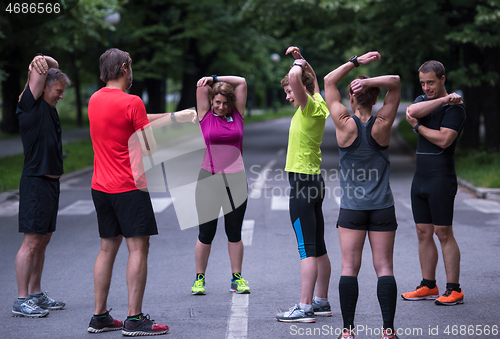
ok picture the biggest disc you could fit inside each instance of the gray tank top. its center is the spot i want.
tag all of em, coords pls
(364, 172)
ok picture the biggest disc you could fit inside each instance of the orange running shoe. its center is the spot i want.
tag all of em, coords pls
(422, 293)
(450, 298)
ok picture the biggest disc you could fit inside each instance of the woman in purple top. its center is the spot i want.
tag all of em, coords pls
(222, 181)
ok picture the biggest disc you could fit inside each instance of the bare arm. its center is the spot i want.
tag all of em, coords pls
(147, 140)
(295, 80)
(345, 125)
(306, 67)
(163, 119)
(423, 108)
(442, 138)
(381, 131)
(38, 73)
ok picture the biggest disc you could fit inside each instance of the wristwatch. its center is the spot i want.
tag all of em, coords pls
(415, 129)
(297, 64)
(354, 60)
(172, 117)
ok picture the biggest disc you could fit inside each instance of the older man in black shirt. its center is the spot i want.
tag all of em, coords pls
(40, 130)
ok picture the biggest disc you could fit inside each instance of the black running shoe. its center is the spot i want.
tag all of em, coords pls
(143, 327)
(104, 323)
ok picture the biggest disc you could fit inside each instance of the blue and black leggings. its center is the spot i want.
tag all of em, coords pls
(307, 192)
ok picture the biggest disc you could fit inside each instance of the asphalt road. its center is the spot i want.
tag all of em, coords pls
(271, 262)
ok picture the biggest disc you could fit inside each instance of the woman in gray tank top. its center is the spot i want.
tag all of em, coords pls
(367, 204)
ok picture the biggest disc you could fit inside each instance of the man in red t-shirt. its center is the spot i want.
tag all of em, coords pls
(121, 135)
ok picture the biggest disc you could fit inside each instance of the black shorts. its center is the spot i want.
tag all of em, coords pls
(38, 204)
(382, 220)
(129, 214)
(433, 199)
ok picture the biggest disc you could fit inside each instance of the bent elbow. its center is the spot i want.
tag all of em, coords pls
(411, 112)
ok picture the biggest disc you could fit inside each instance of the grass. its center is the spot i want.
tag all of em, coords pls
(480, 167)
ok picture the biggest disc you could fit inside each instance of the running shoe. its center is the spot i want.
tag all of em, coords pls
(239, 285)
(104, 323)
(143, 327)
(422, 293)
(321, 311)
(43, 300)
(346, 334)
(389, 334)
(28, 308)
(450, 298)
(198, 285)
(296, 315)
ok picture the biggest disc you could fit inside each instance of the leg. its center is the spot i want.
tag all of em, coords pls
(235, 250)
(201, 254)
(103, 269)
(382, 244)
(24, 261)
(324, 273)
(38, 261)
(451, 253)
(351, 246)
(427, 251)
(137, 271)
(308, 276)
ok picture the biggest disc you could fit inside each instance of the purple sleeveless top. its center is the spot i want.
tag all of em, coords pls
(223, 141)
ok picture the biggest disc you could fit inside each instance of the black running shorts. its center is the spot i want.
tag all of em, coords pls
(129, 214)
(38, 204)
(433, 199)
(382, 220)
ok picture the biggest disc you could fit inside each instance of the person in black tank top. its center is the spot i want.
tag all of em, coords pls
(368, 208)
(438, 118)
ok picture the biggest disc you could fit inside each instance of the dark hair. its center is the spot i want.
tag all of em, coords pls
(307, 80)
(433, 66)
(110, 64)
(225, 89)
(368, 96)
(54, 75)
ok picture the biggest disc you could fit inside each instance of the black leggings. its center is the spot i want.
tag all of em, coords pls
(228, 191)
(307, 192)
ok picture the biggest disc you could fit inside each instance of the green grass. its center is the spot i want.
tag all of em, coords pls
(480, 168)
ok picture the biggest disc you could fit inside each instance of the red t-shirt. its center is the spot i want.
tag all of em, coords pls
(114, 118)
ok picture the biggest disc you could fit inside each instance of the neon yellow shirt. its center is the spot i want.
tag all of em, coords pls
(305, 136)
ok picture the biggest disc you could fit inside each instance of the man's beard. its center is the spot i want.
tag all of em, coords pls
(129, 80)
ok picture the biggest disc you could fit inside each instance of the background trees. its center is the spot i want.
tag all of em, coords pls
(182, 40)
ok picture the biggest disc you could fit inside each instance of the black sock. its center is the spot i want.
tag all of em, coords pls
(348, 292)
(200, 276)
(101, 315)
(429, 283)
(454, 287)
(387, 295)
(236, 276)
(134, 317)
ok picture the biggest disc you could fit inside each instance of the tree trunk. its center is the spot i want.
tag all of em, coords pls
(156, 92)
(473, 98)
(76, 84)
(10, 96)
(491, 101)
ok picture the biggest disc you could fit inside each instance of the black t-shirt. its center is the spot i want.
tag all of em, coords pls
(432, 159)
(40, 131)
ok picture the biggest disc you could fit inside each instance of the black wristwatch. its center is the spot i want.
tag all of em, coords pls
(214, 78)
(354, 60)
(415, 129)
(39, 54)
(297, 64)
(172, 117)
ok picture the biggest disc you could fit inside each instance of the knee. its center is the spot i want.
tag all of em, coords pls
(444, 235)
(424, 234)
(45, 240)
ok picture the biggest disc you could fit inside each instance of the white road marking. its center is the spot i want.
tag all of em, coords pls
(482, 205)
(259, 183)
(79, 207)
(279, 203)
(237, 325)
(406, 204)
(9, 208)
(337, 200)
(247, 232)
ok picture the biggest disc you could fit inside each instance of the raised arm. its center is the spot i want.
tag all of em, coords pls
(423, 108)
(203, 88)
(381, 131)
(38, 73)
(443, 137)
(163, 119)
(306, 67)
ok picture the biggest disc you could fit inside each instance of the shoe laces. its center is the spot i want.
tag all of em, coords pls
(294, 308)
(346, 333)
(240, 281)
(448, 292)
(199, 282)
(30, 304)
